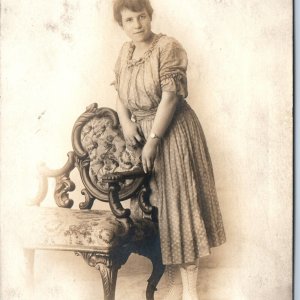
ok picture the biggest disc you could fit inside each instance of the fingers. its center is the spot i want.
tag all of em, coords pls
(134, 135)
(141, 134)
(147, 165)
(145, 168)
(133, 141)
(139, 138)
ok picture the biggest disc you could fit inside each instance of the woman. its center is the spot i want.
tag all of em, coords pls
(152, 87)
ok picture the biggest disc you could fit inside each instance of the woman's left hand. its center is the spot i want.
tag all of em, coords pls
(149, 154)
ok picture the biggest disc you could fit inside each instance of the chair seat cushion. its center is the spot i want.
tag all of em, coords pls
(80, 230)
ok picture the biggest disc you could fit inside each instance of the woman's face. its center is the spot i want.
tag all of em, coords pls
(137, 25)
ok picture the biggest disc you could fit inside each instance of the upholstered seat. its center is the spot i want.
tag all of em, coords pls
(111, 172)
(81, 230)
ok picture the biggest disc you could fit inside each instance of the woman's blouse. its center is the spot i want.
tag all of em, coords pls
(140, 82)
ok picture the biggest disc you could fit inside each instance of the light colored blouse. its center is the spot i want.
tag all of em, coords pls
(140, 82)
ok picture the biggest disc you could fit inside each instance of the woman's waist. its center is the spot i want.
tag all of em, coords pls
(149, 114)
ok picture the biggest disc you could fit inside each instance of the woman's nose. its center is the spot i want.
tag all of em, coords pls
(137, 23)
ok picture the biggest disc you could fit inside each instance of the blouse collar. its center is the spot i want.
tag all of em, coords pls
(133, 62)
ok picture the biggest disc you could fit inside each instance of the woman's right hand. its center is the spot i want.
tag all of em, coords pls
(133, 133)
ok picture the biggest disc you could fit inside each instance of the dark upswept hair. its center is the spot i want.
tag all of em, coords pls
(133, 5)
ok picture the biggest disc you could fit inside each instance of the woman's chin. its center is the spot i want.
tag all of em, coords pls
(138, 39)
(141, 38)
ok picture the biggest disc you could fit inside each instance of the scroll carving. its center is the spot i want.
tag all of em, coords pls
(89, 200)
(144, 198)
(108, 266)
(63, 183)
(94, 258)
(114, 202)
(61, 194)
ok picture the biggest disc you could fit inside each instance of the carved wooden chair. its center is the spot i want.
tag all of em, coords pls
(110, 172)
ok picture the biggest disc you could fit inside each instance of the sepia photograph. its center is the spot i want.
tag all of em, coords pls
(146, 150)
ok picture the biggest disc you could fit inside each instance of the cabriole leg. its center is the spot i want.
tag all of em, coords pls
(108, 266)
(151, 250)
(157, 273)
(109, 274)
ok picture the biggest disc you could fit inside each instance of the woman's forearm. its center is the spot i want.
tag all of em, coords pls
(123, 112)
(165, 113)
(132, 131)
(162, 120)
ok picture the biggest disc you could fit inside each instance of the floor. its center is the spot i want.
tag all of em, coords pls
(80, 282)
(62, 276)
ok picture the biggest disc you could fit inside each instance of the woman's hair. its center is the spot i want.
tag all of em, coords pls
(133, 5)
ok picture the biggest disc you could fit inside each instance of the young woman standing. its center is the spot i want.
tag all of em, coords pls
(152, 89)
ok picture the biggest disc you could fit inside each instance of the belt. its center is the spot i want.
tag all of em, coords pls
(138, 115)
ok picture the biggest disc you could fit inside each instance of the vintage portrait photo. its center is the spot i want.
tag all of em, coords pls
(147, 150)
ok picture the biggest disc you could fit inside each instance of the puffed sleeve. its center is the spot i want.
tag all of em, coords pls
(173, 66)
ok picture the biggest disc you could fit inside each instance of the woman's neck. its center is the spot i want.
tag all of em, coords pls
(144, 45)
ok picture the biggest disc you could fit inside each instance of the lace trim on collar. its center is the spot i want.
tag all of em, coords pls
(134, 62)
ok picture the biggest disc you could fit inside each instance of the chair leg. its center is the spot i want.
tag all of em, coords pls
(108, 266)
(157, 272)
(109, 278)
(152, 251)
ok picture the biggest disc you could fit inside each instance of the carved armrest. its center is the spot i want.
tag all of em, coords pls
(63, 185)
(122, 176)
(143, 194)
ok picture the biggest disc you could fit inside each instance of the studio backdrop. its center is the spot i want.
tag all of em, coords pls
(58, 57)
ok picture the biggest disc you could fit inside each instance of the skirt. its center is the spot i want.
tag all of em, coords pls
(183, 190)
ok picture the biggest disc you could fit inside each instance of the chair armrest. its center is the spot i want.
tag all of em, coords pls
(122, 176)
(63, 183)
(114, 180)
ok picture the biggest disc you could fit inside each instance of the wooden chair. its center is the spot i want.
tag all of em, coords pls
(110, 172)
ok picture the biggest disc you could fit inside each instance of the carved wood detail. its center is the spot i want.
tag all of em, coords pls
(89, 200)
(144, 198)
(114, 202)
(113, 190)
(108, 266)
(91, 112)
(83, 161)
(151, 250)
(63, 183)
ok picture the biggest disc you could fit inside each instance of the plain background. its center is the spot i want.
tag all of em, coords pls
(297, 150)
(58, 57)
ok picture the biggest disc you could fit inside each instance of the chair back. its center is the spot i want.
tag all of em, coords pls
(100, 149)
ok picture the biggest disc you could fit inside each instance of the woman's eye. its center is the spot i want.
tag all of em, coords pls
(142, 17)
(128, 20)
